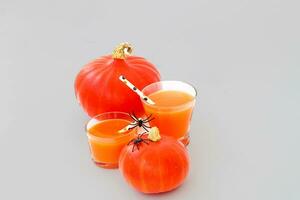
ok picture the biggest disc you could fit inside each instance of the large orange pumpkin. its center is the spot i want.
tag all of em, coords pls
(98, 88)
(154, 164)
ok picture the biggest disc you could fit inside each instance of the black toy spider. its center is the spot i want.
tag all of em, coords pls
(140, 122)
(138, 140)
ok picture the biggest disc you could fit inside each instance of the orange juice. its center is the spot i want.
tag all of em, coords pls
(106, 142)
(172, 110)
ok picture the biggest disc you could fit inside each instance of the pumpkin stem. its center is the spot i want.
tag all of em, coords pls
(122, 50)
(153, 134)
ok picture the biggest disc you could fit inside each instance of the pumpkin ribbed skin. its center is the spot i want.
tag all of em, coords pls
(157, 167)
(98, 88)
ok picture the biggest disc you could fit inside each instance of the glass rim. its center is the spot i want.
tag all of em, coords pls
(97, 138)
(170, 81)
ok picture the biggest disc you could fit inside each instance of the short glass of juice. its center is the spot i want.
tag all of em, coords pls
(104, 139)
(172, 111)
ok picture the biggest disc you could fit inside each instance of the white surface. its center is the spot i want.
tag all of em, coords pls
(243, 57)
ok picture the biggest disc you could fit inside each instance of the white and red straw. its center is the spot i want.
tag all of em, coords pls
(136, 90)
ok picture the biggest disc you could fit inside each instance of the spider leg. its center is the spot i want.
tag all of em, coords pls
(133, 117)
(137, 119)
(141, 135)
(137, 146)
(145, 142)
(148, 140)
(133, 123)
(149, 120)
(145, 128)
(130, 141)
(133, 148)
(147, 117)
(132, 127)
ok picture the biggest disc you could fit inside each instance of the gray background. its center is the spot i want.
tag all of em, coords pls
(242, 55)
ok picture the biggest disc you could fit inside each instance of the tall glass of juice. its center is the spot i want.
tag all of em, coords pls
(172, 111)
(104, 139)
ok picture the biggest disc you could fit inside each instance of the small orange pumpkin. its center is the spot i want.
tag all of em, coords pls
(154, 164)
